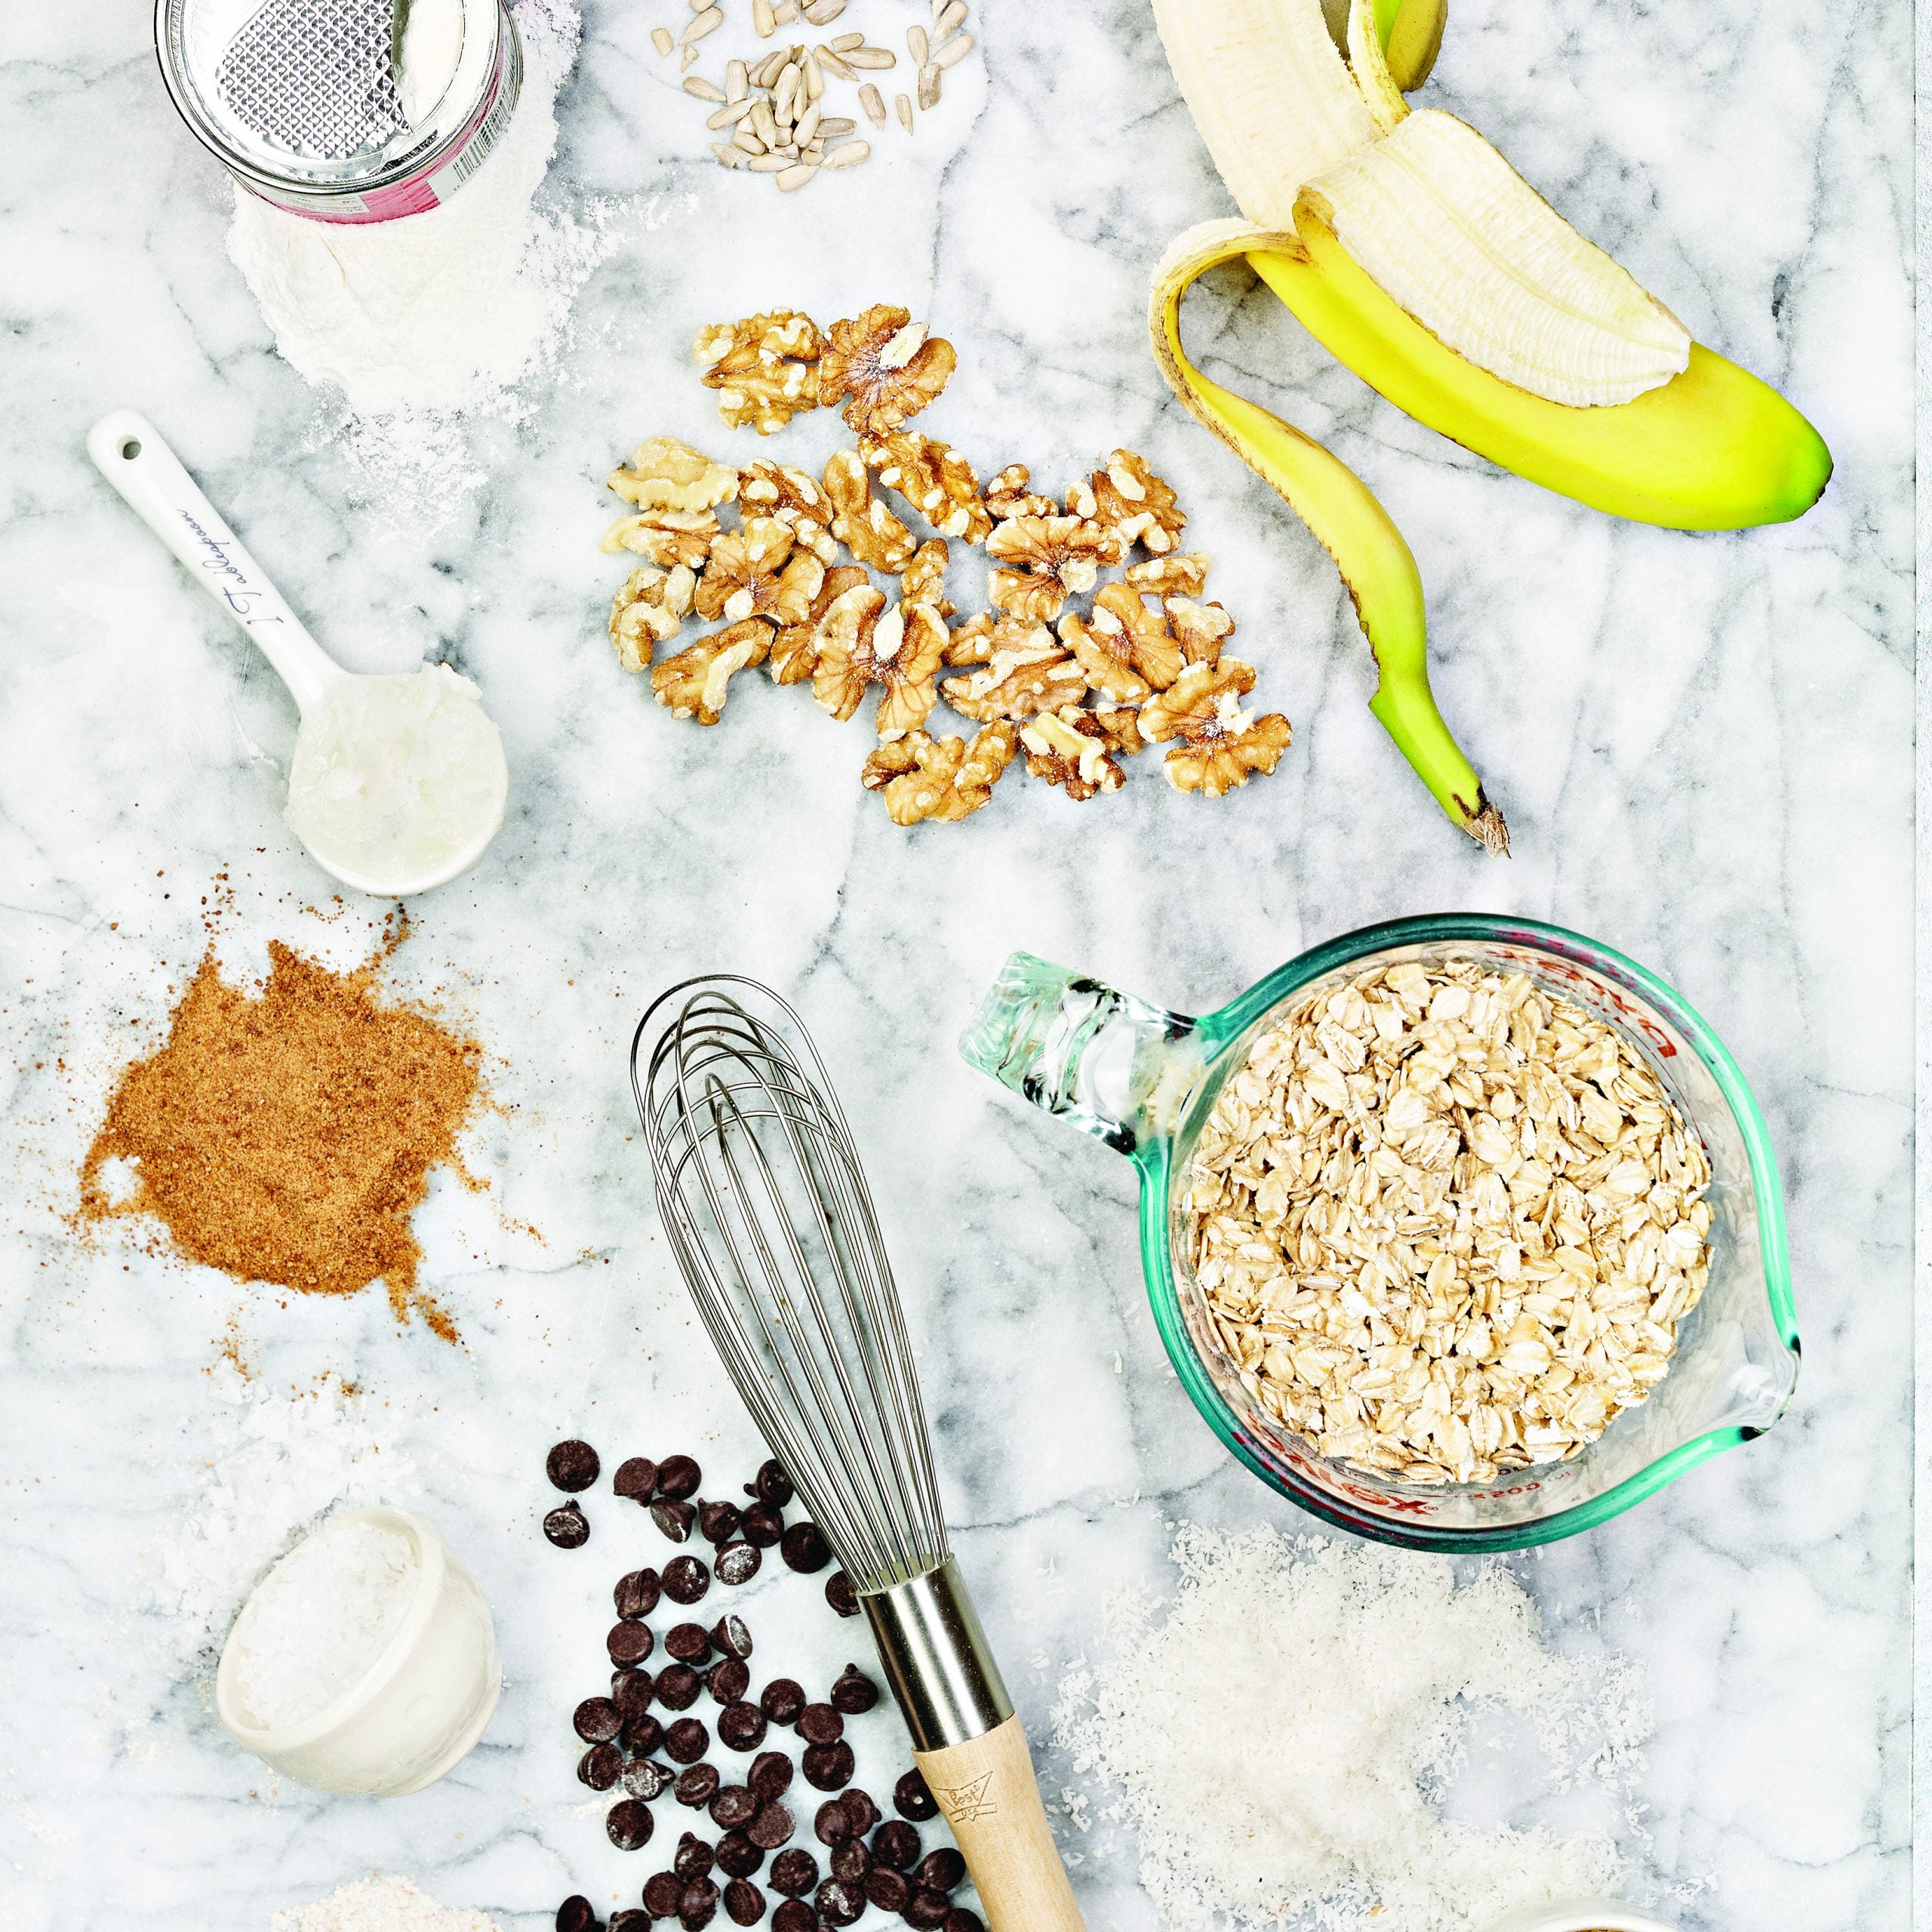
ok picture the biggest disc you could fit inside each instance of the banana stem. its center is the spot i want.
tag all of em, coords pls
(1376, 565)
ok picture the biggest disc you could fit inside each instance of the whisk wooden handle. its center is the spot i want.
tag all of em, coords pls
(990, 1799)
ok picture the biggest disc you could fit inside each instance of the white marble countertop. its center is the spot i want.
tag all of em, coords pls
(1704, 745)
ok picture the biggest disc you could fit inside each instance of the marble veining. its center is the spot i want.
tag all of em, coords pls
(1702, 744)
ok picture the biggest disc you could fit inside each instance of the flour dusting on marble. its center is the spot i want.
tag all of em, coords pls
(415, 328)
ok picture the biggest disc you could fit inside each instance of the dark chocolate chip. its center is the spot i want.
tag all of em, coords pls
(741, 1727)
(827, 1767)
(793, 1872)
(782, 1699)
(645, 1780)
(576, 1914)
(860, 1808)
(631, 1691)
(678, 1687)
(718, 1521)
(629, 1643)
(686, 1579)
(572, 1466)
(820, 1724)
(851, 1861)
(895, 1844)
(735, 1805)
(599, 1766)
(630, 1920)
(941, 1871)
(689, 1643)
(637, 1478)
(930, 1910)
(910, 1797)
(636, 1594)
(737, 1563)
(737, 1856)
(731, 1635)
(887, 1889)
(831, 1822)
(662, 1891)
(694, 1857)
(763, 1526)
(628, 1822)
(805, 1549)
(841, 1595)
(774, 1486)
(597, 1720)
(686, 1741)
(697, 1786)
(674, 1519)
(839, 1902)
(699, 1905)
(854, 1692)
(961, 1920)
(795, 1916)
(772, 1826)
(744, 1903)
(568, 1527)
(728, 1681)
(771, 1774)
(642, 1733)
(678, 1477)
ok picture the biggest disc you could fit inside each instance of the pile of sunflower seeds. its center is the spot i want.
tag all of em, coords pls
(1447, 1223)
(771, 113)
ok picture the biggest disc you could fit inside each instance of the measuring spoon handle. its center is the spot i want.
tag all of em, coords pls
(128, 451)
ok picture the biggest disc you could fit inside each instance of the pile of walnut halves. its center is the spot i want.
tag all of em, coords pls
(1071, 673)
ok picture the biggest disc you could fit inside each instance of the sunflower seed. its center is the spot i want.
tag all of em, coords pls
(827, 58)
(768, 164)
(844, 43)
(879, 58)
(730, 115)
(929, 86)
(763, 23)
(904, 103)
(836, 124)
(915, 44)
(795, 178)
(807, 125)
(848, 154)
(823, 12)
(747, 139)
(732, 157)
(785, 12)
(689, 59)
(737, 82)
(710, 21)
(767, 70)
(660, 39)
(954, 50)
(949, 16)
(763, 125)
(814, 80)
(873, 102)
(703, 89)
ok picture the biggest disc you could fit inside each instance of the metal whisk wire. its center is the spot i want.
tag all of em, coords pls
(761, 1192)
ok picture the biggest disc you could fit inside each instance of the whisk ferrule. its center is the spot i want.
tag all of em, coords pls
(937, 1660)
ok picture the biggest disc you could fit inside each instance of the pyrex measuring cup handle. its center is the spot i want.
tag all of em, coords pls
(127, 450)
(1105, 1061)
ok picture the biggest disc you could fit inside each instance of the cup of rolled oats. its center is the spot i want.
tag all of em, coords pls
(1462, 1232)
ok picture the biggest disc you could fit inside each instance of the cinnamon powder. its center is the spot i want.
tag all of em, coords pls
(288, 1137)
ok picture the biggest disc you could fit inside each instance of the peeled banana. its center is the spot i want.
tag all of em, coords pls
(1412, 251)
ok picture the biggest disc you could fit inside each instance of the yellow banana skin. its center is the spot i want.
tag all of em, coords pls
(1376, 565)
(1712, 449)
(1411, 32)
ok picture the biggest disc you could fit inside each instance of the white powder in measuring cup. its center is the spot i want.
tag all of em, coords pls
(384, 1903)
(395, 777)
(418, 323)
(319, 1619)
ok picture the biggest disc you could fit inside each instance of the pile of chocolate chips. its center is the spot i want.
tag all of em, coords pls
(627, 1740)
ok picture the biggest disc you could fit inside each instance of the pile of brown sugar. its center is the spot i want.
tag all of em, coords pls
(288, 1137)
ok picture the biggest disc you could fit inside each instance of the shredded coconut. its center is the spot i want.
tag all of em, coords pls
(1282, 1735)
(319, 1619)
(421, 323)
(383, 1903)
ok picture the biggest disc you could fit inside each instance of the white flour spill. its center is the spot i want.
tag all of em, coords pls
(381, 1904)
(1280, 1737)
(412, 327)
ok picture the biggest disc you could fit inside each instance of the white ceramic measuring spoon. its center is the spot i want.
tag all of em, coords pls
(128, 451)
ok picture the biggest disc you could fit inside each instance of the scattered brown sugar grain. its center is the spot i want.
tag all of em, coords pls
(288, 1137)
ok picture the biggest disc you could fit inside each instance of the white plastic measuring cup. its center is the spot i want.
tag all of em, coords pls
(129, 452)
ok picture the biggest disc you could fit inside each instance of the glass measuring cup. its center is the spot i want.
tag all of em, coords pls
(1145, 1081)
